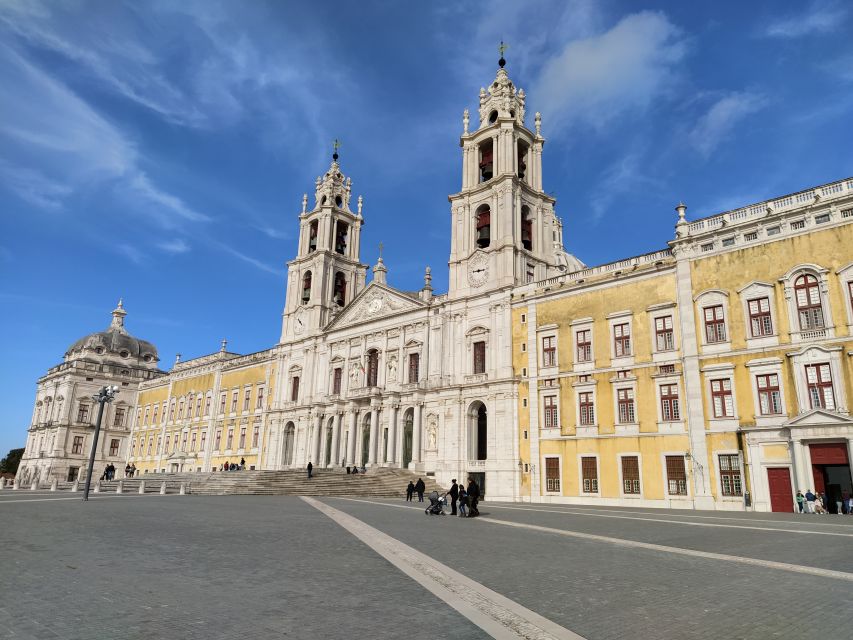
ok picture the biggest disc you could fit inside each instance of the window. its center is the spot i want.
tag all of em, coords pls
(549, 351)
(242, 437)
(150, 444)
(819, 381)
(203, 440)
(229, 439)
(341, 232)
(480, 357)
(193, 441)
(294, 388)
(483, 226)
(145, 419)
(760, 321)
(589, 474)
(587, 408)
(631, 475)
(721, 398)
(583, 339)
(156, 410)
(625, 400)
(551, 416)
(222, 400)
(666, 368)
(530, 274)
(676, 476)
(769, 399)
(809, 309)
(181, 409)
(234, 397)
(669, 402)
(774, 231)
(77, 447)
(715, 324)
(256, 436)
(622, 340)
(306, 287)
(486, 155)
(753, 235)
(183, 441)
(821, 219)
(118, 421)
(168, 440)
(707, 247)
(337, 376)
(83, 413)
(218, 441)
(247, 400)
(414, 367)
(798, 224)
(552, 474)
(372, 368)
(730, 481)
(850, 292)
(207, 405)
(172, 411)
(527, 235)
(312, 236)
(114, 444)
(133, 448)
(339, 294)
(664, 340)
(198, 406)
(728, 242)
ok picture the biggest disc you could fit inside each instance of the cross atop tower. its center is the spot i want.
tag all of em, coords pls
(501, 50)
(335, 146)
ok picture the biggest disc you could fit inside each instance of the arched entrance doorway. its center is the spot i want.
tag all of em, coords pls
(408, 431)
(365, 440)
(327, 459)
(289, 437)
(478, 431)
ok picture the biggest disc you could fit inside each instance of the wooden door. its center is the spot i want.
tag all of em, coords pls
(781, 496)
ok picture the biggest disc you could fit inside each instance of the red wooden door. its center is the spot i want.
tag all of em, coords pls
(781, 497)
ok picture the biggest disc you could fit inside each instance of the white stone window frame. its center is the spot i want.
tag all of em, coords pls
(294, 371)
(720, 371)
(478, 333)
(582, 324)
(845, 278)
(613, 319)
(597, 457)
(764, 367)
(663, 310)
(788, 280)
(818, 354)
(337, 361)
(688, 473)
(625, 428)
(670, 426)
(639, 457)
(548, 331)
(753, 290)
(550, 391)
(716, 453)
(582, 430)
(544, 479)
(713, 298)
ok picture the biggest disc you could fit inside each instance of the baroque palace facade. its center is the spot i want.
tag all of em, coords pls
(686, 377)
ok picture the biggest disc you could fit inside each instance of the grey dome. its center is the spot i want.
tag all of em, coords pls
(115, 341)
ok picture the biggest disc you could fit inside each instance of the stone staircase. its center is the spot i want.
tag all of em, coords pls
(376, 483)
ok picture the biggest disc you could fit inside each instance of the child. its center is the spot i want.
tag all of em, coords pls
(463, 502)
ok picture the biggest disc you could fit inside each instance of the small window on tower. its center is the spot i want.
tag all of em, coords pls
(522, 160)
(306, 287)
(341, 231)
(483, 226)
(339, 201)
(312, 237)
(340, 295)
(493, 117)
(486, 160)
(526, 228)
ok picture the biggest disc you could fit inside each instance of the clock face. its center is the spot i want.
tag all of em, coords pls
(478, 270)
(299, 322)
(374, 305)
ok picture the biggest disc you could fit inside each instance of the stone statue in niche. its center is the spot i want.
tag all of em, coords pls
(392, 369)
(353, 376)
(432, 434)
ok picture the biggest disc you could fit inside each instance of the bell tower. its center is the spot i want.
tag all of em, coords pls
(504, 230)
(326, 273)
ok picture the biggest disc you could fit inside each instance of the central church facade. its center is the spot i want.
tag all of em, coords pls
(365, 374)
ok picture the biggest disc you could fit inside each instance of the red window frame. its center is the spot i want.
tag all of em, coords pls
(819, 383)
(202, 441)
(480, 357)
(549, 351)
(193, 441)
(247, 399)
(259, 404)
(769, 396)
(552, 419)
(256, 436)
(664, 336)
(229, 439)
(337, 377)
(760, 318)
(631, 475)
(586, 406)
(235, 398)
(625, 402)
(622, 340)
(730, 479)
(372, 368)
(722, 400)
(583, 340)
(676, 476)
(669, 405)
(715, 324)
(809, 307)
(198, 406)
(414, 367)
(242, 442)
(223, 399)
(589, 474)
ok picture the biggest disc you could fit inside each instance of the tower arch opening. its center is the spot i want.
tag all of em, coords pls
(306, 287)
(526, 228)
(484, 226)
(339, 296)
(478, 431)
(487, 160)
(312, 236)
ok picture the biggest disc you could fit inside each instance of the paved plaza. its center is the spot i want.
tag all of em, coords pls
(191, 567)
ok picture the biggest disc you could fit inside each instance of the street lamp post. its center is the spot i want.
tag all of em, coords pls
(105, 395)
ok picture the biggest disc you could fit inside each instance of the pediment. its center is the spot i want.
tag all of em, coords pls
(819, 417)
(375, 302)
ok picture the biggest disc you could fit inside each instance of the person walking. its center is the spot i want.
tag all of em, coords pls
(810, 498)
(473, 497)
(242, 464)
(133, 470)
(420, 487)
(310, 469)
(454, 496)
(463, 502)
(409, 491)
(800, 501)
(127, 471)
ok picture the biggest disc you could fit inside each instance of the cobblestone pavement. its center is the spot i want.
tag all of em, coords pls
(274, 567)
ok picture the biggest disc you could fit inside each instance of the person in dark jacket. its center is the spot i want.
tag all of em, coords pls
(310, 468)
(473, 497)
(454, 496)
(420, 487)
(409, 491)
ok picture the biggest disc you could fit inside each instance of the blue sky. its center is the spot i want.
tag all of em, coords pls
(158, 151)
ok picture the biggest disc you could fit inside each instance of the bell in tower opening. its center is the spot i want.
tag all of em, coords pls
(340, 288)
(526, 228)
(486, 161)
(483, 226)
(341, 230)
(312, 237)
(306, 287)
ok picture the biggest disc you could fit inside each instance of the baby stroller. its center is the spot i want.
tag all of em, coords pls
(436, 505)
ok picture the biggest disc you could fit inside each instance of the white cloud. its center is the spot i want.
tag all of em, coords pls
(724, 115)
(165, 203)
(596, 79)
(820, 17)
(174, 246)
(248, 259)
(130, 252)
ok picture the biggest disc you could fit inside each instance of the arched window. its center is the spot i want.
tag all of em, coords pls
(526, 228)
(483, 226)
(339, 201)
(493, 117)
(341, 231)
(486, 161)
(478, 431)
(306, 287)
(340, 291)
(809, 309)
(312, 237)
(372, 368)
(522, 160)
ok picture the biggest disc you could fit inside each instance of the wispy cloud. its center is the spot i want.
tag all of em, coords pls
(627, 173)
(275, 234)
(595, 79)
(130, 252)
(819, 17)
(174, 246)
(249, 259)
(722, 117)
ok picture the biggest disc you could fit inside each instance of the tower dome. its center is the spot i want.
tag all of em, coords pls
(114, 343)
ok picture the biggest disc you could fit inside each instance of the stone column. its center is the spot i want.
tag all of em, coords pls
(353, 427)
(314, 456)
(336, 441)
(416, 435)
(798, 456)
(374, 435)
(392, 435)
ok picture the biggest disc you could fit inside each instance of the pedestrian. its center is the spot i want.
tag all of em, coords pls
(810, 498)
(454, 496)
(473, 497)
(818, 505)
(463, 502)
(347, 469)
(410, 489)
(127, 471)
(420, 487)
(355, 470)
(845, 498)
(310, 469)
(226, 467)
(800, 500)
(132, 469)
(242, 464)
